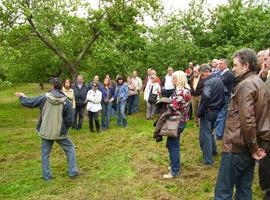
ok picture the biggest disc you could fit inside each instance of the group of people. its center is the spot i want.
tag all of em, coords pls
(120, 96)
(228, 105)
(234, 105)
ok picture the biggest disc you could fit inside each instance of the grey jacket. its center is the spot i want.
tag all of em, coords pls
(56, 114)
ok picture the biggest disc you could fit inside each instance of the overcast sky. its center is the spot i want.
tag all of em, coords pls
(171, 5)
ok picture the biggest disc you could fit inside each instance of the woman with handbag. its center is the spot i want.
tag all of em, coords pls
(181, 99)
(151, 96)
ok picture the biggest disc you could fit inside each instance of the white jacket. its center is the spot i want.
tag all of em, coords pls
(94, 100)
(156, 90)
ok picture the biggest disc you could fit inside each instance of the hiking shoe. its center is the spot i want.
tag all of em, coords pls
(76, 175)
(168, 176)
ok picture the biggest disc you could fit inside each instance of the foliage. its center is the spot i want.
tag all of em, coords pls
(40, 39)
(68, 38)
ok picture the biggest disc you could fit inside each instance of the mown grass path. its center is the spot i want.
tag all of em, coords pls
(117, 164)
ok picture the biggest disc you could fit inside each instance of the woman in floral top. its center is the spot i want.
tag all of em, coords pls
(180, 105)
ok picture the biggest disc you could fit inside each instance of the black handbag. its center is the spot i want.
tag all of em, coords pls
(152, 99)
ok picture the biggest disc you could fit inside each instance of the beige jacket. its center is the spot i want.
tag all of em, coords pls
(70, 95)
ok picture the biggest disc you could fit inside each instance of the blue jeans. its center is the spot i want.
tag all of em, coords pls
(236, 169)
(106, 113)
(121, 115)
(137, 102)
(173, 145)
(131, 104)
(221, 119)
(207, 139)
(67, 146)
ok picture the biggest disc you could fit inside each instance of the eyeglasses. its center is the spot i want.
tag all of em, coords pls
(94, 85)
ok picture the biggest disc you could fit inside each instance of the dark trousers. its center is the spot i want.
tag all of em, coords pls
(264, 174)
(236, 170)
(207, 139)
(79, 111)
(173, 145)
(131, 104)
(93, 116)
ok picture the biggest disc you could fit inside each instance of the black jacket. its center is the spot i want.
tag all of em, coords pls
(213, 95)
(80, 94)
(228, 81)
(199, 88)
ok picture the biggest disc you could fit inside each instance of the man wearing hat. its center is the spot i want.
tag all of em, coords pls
(56, 117)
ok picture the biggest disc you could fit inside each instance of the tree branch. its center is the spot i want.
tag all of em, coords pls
(87, 46)
(51, 46)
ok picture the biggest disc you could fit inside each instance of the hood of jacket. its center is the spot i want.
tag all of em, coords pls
(55, 97)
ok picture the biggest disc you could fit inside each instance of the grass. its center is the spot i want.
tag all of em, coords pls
(117, 164)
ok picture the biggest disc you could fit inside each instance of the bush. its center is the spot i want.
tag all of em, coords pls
(4, 84)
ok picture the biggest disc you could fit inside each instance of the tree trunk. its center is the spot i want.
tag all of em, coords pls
(41, 85)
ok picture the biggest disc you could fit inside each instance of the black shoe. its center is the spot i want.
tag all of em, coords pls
(215, 154)
(207, 164)
(74, 176)
(48, 179)
(267, 196)
(219, 137)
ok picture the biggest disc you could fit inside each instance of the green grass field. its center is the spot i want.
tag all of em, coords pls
(117, 164)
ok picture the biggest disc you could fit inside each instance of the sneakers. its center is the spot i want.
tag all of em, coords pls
(168, 176)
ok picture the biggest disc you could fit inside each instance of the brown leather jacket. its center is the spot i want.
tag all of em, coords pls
(248, 121)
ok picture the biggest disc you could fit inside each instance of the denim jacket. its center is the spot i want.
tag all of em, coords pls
(121, 93)
(104, 92)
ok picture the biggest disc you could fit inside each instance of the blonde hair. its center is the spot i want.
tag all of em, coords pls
(181, 80)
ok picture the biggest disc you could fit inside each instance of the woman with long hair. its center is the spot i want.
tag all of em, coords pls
(68, 91)
(106, 103)
(180, 106)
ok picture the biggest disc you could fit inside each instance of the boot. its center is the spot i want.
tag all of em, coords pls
(91, 127)
(97, 126)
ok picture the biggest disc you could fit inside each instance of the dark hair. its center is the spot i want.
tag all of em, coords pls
(205, 68)
(70, 82)
(247, 56)
(120, 78)
(57, 83)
